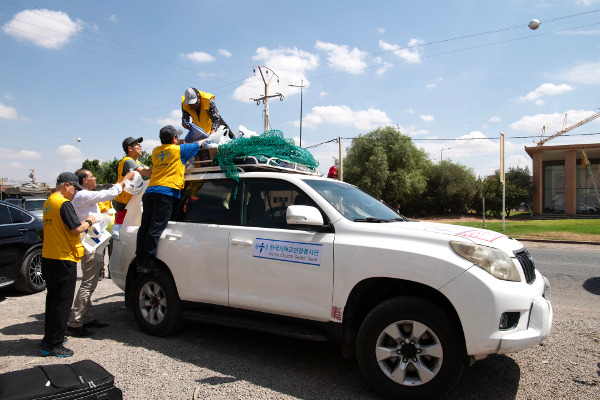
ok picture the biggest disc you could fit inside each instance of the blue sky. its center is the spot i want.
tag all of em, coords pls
(436, 70)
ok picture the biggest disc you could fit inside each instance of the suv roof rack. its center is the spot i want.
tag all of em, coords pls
(251, 163)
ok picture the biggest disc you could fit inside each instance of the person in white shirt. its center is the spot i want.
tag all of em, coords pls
(85, 202)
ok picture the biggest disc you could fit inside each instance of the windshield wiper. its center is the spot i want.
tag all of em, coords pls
(374, 220)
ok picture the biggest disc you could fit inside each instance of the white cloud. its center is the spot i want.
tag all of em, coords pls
(409, 54)
(174, 119)
(23, 154)
(430, 85)
(586, 2)
(45, 28)
(323, 94)
(588, 74)
(198, 57)
(113, 18)
(343, 115)
(8, 112)
(410, 111)
(289, 63)
(341, 57)
(381, 30)
(553, 122)
(427, 117)
(495, 119)
(225, 53)
(71, 155)
(545, 89)
(68, 150)
(8, 96)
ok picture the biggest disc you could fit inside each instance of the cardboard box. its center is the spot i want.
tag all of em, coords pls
(206, 154)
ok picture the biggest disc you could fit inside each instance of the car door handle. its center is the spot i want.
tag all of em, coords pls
(22, 230)
(173, 236)
(241, 242)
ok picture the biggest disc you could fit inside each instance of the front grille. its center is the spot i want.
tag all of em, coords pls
(527, 264)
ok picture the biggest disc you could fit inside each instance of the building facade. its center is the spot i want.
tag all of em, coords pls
(563, 182)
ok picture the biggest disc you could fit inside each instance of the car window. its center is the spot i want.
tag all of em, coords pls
(18, 216)
(351, 202)
(209, 202)
(34, 205)
(4, 215)
(265, 202)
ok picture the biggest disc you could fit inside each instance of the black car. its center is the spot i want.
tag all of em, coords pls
(21, 240)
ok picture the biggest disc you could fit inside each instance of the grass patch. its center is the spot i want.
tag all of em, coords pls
(537, 228)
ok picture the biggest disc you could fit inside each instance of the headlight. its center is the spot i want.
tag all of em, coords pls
(493, 261)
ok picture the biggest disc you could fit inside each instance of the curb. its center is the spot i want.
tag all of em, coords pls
(557, 241)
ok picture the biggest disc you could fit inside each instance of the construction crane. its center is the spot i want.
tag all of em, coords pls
(567, 129)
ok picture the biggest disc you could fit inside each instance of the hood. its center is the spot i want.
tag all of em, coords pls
(452, 232)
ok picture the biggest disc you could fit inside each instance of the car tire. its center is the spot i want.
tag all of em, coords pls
(410, 348)
(156, 304)
(30, 275)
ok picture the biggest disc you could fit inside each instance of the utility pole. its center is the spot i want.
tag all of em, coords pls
(265, 98)
(341, 171)
(442, 153)
(301, 85)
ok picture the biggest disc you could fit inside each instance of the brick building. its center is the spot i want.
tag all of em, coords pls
(561, 184)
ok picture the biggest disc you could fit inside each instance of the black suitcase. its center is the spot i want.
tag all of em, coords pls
(81, 380)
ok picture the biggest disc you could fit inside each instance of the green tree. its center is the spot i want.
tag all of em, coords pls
(146, 158)
(519, 189)
(91, 165)
(451, 188)
(386, 164)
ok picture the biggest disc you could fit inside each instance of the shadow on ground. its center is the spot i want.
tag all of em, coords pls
(303, 369)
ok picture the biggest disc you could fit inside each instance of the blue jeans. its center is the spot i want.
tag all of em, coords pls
(155, 217)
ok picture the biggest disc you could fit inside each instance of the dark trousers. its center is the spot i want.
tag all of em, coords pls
(155, 217)
(60, 277)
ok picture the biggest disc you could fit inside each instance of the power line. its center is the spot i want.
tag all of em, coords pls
(408, 138)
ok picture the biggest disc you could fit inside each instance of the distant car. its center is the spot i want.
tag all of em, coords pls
(21, 236)
(32, 204)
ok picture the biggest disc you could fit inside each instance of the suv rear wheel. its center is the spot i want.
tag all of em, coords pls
(408, 347)
(156, 304)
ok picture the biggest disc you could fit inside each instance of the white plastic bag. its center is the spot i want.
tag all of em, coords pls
(134, 186)
(244, 132)
(96, 237)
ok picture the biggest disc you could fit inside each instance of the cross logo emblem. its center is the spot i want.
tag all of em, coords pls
(261, 247)
(162, 155)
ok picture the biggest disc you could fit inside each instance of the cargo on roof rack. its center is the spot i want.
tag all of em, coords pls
(251, 163)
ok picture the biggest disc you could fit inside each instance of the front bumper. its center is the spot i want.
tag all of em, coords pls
(480, 300)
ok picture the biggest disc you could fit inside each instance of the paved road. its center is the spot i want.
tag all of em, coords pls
(228, 363)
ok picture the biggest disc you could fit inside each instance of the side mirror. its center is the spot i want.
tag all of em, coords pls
(303, 215)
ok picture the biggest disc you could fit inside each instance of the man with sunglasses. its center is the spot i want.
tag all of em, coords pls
(85, 202)
(61, 251)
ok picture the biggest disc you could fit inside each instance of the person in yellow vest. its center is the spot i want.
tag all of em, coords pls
(163, 190)
(61, 251)
(133, 150)
(198, 108)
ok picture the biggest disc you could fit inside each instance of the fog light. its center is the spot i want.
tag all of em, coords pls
(503, 321)
(509, 320)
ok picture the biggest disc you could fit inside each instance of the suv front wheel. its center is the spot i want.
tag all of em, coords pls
(409, 348)
(156, 304)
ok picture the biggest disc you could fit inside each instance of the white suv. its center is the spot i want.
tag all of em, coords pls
(316, 258)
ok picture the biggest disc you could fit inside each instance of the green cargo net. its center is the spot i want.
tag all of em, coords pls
(270, 147)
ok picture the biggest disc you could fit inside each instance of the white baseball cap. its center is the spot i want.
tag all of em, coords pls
(190, 96)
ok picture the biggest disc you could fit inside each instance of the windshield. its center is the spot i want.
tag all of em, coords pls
(353, 203)
(34, 205)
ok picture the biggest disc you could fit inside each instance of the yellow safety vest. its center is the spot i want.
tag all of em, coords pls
(59, 242)
(167, 169)
(204, 121)
(123, 197)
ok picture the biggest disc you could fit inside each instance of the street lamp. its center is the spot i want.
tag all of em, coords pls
(301, 85)
(442, 152)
